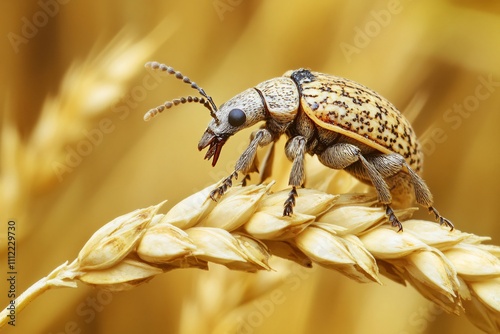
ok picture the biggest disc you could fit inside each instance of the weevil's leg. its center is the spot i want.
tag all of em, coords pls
(295, 150)
(221, 190)
(348, 156)
(393, 219)
(244, 163)
(383, 192)
(424, 196)
(390, 164)
(245, 180)
(441, 219)
(290, 202)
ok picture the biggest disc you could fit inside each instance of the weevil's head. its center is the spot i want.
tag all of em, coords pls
(276, 99)
(240, 112)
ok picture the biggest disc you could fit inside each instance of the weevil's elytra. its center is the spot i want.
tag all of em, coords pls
(347, 125)
(351, 109)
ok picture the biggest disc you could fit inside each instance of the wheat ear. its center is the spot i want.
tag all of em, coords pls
(346, 233)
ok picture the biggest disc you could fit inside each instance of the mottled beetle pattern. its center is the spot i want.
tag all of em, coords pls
(347, 125)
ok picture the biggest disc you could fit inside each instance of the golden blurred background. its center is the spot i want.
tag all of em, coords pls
(75, 152)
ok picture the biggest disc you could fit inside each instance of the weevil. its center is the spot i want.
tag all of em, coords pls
(345, 124)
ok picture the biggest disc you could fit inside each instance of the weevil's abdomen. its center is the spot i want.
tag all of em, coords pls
(349, 108)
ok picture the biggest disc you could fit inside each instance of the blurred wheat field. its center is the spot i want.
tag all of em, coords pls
(76, 83)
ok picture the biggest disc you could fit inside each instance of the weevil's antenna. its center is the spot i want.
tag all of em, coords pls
(169, 104)
(208, 103)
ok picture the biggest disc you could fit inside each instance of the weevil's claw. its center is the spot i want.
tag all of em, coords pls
(216, 194)
(288, 209)
(393, 219)
(245, 179)
(221, 190)
(441, 219)
(447, 222)
(290, 202)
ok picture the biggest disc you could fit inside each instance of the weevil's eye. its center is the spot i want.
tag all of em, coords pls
(236, 117)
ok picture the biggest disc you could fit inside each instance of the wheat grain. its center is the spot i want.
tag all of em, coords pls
(343, 232)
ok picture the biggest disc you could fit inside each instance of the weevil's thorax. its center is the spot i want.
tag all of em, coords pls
(281, 97)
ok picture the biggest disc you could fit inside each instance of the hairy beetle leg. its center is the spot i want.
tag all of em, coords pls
(221, 190)
(441, 219)
(393, 219)
(290, 202)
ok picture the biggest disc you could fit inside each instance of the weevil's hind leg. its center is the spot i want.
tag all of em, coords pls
(295, 150)
(441, 219)
(424, 197)
(390, 164)
(348, 156)
(383, 192)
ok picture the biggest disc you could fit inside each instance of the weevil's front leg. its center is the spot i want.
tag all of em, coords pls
(245, 162)
(295, 150)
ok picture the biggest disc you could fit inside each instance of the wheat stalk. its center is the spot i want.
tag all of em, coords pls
(345, 233)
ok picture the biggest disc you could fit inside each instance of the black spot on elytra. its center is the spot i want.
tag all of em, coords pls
(357, 101)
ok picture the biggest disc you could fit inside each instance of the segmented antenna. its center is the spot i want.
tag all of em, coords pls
(205, 100)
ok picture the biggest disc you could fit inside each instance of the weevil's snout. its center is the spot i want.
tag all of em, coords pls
(215, 142)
